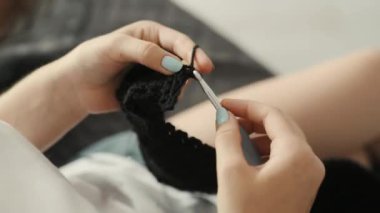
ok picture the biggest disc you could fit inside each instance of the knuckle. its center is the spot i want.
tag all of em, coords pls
(308, 163)
(147, 26)
(102, 45)
(146, 23)
(184, 40)
(319, 171)
(233, 168)
(298, 131)
(141, 28)
(276, 111)
(316, 170)
(252, 107)
(146, 51)
(303, 157)
(223, 132)
(264, 109)
(116, 40)
(110, 47)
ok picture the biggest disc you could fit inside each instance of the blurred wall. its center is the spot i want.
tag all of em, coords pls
(289, 35)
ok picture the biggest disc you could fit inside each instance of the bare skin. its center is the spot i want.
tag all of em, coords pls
(244, 188)
(337, 105)
(53, 99)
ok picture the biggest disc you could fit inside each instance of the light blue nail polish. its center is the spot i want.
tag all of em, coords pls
(171, 64)
(222, 116)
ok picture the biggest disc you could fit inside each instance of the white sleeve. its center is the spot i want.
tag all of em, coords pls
(30, 183)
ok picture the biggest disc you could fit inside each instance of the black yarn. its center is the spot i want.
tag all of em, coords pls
(171, 155)
(193, 55)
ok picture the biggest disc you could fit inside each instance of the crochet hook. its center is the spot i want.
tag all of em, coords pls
(250, 151)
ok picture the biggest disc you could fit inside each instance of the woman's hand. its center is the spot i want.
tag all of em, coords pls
(53, 99)
(94, 67)
(287, 182)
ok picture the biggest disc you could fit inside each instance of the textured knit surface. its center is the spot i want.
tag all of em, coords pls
(184, 162)
(171, 155)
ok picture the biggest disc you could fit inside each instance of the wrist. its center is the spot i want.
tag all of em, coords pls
(64, 85)
(43, 106)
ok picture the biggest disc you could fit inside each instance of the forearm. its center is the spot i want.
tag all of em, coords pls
(49, 102)
(337, 104)
(43, 106)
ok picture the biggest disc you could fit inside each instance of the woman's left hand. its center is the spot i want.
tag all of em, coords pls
(53, 99)
(94, 67)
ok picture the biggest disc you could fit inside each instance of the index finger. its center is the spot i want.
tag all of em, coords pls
(171, 40)
(275, 123)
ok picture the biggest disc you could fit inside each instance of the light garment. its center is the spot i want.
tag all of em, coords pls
(97, 183)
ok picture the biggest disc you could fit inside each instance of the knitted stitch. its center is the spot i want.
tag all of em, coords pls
(171, 155)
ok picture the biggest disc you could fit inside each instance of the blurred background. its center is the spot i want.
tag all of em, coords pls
(290, 35)
(253, 39)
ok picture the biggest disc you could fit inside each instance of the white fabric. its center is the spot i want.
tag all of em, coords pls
(98, 183)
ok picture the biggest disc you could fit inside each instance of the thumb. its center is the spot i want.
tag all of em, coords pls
(228, 141)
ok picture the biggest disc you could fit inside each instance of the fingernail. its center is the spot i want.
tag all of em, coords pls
(171, 64)
(222, 116)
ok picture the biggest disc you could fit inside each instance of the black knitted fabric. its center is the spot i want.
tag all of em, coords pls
(171, 155)
(185, 163)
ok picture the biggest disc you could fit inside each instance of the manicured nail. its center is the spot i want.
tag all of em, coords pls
(222, 116)
(171, 64)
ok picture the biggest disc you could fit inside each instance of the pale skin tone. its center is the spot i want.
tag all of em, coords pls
(291, 167)
(52, 100)
(337, 105)
(49, 102)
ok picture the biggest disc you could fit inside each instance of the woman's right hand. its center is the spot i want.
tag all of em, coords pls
(287, 182)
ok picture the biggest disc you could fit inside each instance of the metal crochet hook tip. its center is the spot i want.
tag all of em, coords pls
(208, 91)
(250, 150)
